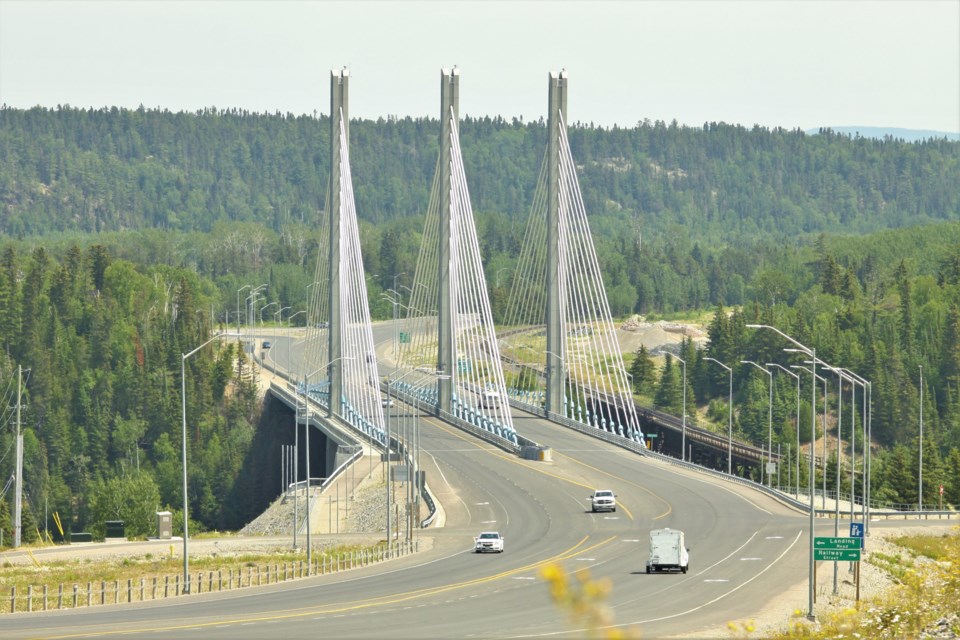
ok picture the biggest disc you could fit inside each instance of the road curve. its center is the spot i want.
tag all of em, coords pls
(745, 548)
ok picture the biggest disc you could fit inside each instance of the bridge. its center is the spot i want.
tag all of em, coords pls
(482, 395)
(557, 352)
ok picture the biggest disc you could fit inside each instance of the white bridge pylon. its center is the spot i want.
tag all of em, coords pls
(341, 365)
(449, 327)
(561, 348)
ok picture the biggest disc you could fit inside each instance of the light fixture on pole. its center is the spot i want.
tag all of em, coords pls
(393, 381)
(186, 506)
(811, 585)
(788, 372)
(864, 421)
(246, 286)
(867, 439)
(729, 417)
(920, 483)
(416, 441)
(306, 397)
(683, 432)
(769, 416)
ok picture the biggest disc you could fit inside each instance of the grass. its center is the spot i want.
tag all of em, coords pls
(927, 593)
(165, 568)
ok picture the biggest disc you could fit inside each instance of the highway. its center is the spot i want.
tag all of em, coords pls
(745, 548)
(740, 544)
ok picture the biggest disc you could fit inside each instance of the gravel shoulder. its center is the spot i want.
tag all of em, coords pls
(783, 610)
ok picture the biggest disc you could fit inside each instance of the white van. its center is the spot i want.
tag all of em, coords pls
(668, 551)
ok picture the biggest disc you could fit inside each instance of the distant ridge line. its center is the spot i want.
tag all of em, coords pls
(907, 135)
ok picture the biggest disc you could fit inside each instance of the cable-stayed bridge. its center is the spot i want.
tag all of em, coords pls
(559, 355)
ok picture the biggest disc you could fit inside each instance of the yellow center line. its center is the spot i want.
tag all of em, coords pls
(291, 614)
(616, 477)
(527, 466)
(664, 514)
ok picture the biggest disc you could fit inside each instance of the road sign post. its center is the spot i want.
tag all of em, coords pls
(842, 550)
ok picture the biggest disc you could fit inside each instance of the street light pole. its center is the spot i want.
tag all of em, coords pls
(920, 487)
(683, 432)
(774, 364)
(246, 286)
(729, 417)
(186, 506)
(769, 417)
(811, 585)
(864, 422)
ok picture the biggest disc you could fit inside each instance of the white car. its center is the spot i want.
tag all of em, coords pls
(488, 541)
(603, 500)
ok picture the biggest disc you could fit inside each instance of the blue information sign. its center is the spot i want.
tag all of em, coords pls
(856, 531)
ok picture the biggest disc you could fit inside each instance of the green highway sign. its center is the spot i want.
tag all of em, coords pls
(837, 555)
(836, 543)
(404, 337)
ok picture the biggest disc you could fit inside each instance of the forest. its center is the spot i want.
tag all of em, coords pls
(127, 234)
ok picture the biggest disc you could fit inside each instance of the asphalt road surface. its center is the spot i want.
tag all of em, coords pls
(744, 547)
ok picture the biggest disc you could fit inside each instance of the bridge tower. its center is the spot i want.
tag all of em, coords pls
(339, 117)
(450, 334)
(558, 304)
(557, 105)
(449, 116)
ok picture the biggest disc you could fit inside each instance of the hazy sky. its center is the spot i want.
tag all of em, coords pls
(775, 63)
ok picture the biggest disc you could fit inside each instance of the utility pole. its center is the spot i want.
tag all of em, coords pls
(18, 501)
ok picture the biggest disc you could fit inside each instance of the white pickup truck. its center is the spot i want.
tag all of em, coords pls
(668, 551)
(603, 500)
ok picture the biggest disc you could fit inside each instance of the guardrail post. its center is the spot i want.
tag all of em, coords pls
(89, 593)
(129, 589)
(44, 597)
(166, 587)
(75, 594)
(13, 599)
(219, 579)
(142, 581)
(103, 592)
(30, 597)
(60, 597)
(176, 585)
(116, 591)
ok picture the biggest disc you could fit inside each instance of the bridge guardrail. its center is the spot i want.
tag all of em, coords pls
(800, 505)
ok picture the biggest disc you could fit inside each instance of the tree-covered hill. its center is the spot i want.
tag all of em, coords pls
(70, 169)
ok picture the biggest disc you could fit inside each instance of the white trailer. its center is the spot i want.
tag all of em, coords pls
(668, 551)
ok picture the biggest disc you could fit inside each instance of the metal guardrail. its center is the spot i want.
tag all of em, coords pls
(626, 443)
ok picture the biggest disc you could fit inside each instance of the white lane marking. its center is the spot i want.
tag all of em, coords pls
(585, 559)
(742, 559)
(717, 580)
(488, 522)
(611, 517)
(630, 540)
(480, 504)
(524, 578)
(682, 613)
(774, 538)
